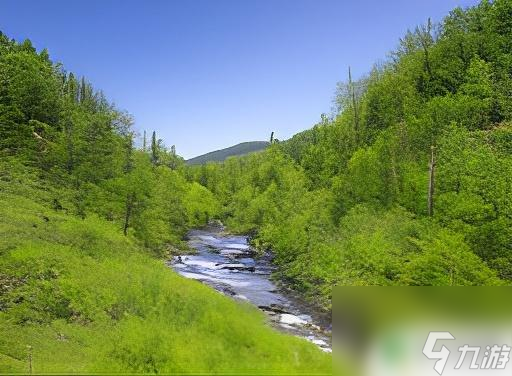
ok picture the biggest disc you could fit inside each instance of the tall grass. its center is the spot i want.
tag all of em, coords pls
(88, 299)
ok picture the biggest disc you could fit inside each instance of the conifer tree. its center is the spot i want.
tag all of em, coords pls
(154, 149)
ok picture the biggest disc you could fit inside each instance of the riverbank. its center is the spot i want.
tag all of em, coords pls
(231, 266)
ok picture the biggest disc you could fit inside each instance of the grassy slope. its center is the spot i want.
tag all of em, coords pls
(236, 150)
(87, 299)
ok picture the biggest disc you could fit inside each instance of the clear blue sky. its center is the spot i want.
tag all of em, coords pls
(210, 74)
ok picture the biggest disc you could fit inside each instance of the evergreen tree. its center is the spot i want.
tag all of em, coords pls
(154, 149)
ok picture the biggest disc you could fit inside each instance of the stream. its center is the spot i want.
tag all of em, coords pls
(229, 264)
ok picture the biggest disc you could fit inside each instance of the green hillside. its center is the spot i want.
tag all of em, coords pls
(88, 299)
(86, 223)
(408, 183)
(233, 151)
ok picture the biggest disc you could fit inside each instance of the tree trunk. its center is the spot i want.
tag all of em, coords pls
(431, 182)
(30, 368)
(129, 208)
(69, 147)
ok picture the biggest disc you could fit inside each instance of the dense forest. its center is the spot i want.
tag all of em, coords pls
(408, 182)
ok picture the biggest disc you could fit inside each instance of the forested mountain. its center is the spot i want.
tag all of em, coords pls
(85, 220)
(410, 183)
(233, 151)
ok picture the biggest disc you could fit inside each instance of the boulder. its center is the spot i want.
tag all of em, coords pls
(289, 319)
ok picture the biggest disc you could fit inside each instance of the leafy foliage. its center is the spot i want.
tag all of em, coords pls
(76, 139)
(346, 201)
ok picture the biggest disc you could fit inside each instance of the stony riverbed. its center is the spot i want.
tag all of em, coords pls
(228, 264)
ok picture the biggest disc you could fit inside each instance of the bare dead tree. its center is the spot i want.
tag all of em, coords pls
(431, 181)
(130, 201)
(354, 105)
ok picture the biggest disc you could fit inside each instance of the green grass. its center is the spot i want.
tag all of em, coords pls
(88, 299)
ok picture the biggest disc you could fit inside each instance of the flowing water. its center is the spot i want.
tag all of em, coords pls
(228, 264)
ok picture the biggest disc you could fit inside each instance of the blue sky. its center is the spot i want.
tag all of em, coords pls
(210, 74)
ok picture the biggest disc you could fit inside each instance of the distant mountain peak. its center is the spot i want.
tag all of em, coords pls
(236, 150)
